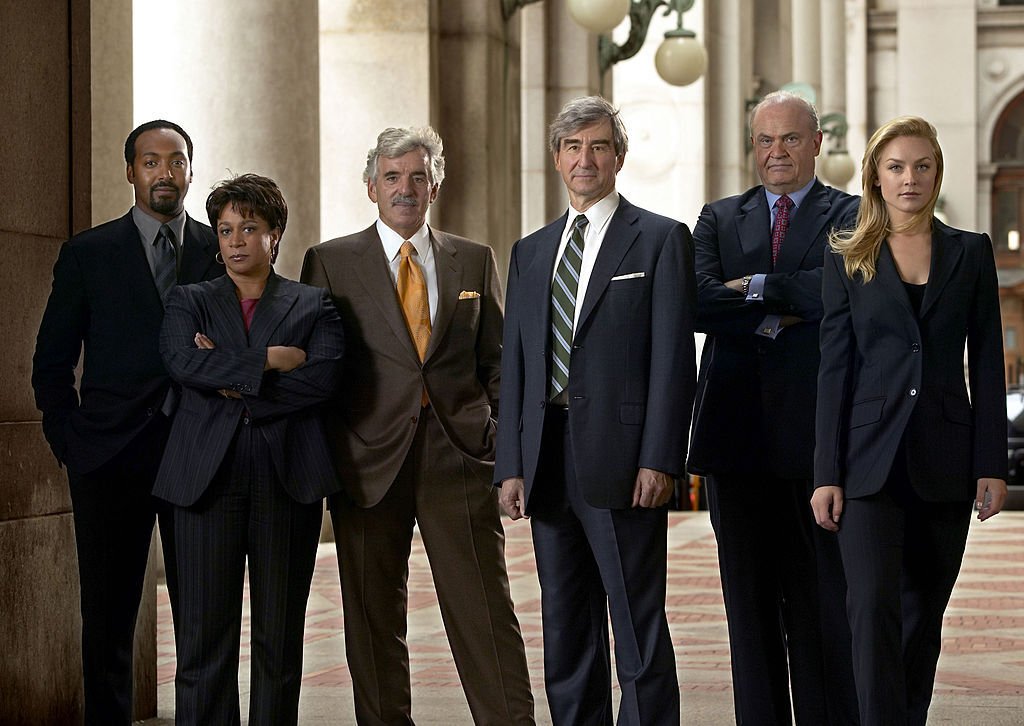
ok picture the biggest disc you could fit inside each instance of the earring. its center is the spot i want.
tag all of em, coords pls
(219, 258)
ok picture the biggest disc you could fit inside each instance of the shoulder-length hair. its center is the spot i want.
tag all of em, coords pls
(860, 246)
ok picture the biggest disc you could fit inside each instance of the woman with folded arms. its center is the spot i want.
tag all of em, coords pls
(247, 464)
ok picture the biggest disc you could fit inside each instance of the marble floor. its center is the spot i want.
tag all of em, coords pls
(980, 676)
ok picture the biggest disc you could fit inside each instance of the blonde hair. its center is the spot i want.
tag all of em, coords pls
(860, 246)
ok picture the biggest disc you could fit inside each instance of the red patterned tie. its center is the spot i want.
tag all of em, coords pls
(782, 206)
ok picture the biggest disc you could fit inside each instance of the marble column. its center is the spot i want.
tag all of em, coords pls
(572, 72)
(730, 34)
(242, 79)
(478, 115)
(943, 88)
(45, 187)
(806, 42)
(377, 69)
(535, 157)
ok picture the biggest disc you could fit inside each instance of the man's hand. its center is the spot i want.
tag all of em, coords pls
(827, 505)
(513, 497)
(652, 489)
(284, 358)
(736, 284)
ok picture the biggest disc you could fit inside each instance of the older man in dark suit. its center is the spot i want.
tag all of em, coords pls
(597, 388)
(109, 285)
(413, 437)
(759, 268)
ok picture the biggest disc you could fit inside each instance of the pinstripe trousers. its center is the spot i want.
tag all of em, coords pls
(244, 516)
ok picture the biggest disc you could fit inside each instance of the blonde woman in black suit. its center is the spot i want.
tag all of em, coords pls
(901, 448)
(247, 464)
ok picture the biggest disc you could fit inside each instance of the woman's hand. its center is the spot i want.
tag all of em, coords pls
(827, 505)
(990, 498)
(204, 343)
(284, 358)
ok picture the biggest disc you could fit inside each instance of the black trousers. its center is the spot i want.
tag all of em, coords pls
(902, 556)
(114, 514)
(244, 517)
(594, 563)
(784, 591)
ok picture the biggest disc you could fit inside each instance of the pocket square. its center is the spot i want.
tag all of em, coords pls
(468, 294)
(629, 276)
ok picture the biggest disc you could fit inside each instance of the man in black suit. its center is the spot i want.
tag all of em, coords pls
(108, 288)
(759, 259)
(595, 407)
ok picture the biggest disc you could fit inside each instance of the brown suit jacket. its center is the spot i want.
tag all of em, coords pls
(373, 423)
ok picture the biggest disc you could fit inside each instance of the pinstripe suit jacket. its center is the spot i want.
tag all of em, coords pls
(285, 406)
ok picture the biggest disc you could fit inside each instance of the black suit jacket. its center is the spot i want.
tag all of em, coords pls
(104, 298)
(285, 406)
(632, 367)
(755, 396)
(887, 376)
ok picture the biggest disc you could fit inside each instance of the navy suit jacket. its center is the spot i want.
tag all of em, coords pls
(104, 298)
(632, 369)
(285, 406)
(887, 376)
(755, 396)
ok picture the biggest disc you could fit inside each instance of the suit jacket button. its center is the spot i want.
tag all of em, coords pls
(414, 419)
(915, 348)
(543, 404)
(913, 391)
(150, 411)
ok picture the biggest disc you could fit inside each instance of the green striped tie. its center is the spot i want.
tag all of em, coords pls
(563, 306)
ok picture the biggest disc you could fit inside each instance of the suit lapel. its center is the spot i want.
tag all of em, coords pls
(889, 277)
(449, 280)
(804, 229)
(373, 273)
(622, 232)
(197, 254)
(274, 304)
(946, 253)
(228, 314)
(753, 232)
(536, 279)
(128, 256)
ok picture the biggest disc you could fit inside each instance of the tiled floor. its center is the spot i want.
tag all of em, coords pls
(980, 677)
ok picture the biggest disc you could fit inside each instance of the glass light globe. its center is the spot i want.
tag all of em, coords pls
(680, 59)
(599, 16)
(839, 168)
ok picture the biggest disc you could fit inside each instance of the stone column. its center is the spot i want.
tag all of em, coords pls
(806, 42)
(478, 102)
(242, 79)
(729, 87)
(377, 69)
(856, 82)
(45, 128)
(944, 90)
(572, 72)
(535, 157)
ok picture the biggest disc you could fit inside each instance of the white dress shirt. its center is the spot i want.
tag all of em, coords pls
(598, 216)
(392, 243)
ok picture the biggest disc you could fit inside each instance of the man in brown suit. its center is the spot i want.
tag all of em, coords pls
(413, 438)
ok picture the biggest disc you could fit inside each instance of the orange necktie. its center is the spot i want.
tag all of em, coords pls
(412, 293)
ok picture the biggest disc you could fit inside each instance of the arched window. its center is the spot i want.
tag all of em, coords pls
(1008, 183)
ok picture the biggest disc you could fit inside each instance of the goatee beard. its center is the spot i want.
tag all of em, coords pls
(165, 205)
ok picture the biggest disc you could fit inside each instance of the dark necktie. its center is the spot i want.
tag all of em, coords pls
(165, 272)
(563, 306)
(782, 206)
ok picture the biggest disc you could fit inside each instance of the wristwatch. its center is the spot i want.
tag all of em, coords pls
(746, 284)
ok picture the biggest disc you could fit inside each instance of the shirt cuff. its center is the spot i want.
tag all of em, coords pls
(769, 327)
(755, 293)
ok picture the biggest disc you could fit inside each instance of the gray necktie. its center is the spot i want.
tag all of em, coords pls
(166, 261)
(563, 307)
